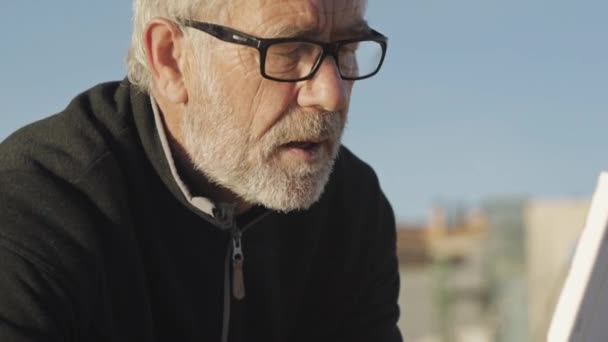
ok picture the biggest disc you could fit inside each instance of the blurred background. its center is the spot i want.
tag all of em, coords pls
(486, 127)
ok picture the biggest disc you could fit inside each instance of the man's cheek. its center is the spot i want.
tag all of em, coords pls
(270, 109)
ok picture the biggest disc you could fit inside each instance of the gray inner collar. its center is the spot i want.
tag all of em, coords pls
(201, 203)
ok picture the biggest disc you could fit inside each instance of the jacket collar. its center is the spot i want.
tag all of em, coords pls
(151, 130)
(201, 203)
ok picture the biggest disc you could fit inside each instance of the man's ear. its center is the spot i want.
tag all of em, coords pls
(166, 54)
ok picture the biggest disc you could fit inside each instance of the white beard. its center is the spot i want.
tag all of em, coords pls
(224, 151)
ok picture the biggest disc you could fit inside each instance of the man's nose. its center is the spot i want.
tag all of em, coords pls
(326, 90)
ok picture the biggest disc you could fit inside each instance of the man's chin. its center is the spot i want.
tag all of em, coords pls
(296, 189)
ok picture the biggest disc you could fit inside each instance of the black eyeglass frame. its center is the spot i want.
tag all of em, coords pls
(230, 35)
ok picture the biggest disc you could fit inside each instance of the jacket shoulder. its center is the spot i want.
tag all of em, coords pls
(68, 143)
(354, 189)
(354, 174)
(54, 185)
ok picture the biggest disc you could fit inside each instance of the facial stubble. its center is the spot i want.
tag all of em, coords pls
(229, 156)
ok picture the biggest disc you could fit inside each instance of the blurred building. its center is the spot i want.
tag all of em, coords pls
(440, 238)
(552, 229)
(505, 268)
(442, 290)
(488, 275)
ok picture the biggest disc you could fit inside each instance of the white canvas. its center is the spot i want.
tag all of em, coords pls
(581, 314)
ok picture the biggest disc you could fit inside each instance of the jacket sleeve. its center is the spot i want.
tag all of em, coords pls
(376, 312)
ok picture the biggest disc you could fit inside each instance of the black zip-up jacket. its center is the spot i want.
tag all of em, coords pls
(98, 243)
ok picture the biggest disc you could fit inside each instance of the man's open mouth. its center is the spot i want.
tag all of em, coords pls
(303, 145)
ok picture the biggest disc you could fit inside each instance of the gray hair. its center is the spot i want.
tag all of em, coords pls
(146, 10)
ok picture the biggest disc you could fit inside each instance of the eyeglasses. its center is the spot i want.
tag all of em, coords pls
(298, 59)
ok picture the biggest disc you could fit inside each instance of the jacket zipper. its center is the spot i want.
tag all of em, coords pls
(238, 257)
(238, 281)
(225, 216)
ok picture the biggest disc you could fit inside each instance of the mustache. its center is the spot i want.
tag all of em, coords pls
(298, 125)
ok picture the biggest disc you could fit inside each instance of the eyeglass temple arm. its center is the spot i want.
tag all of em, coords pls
(379, 35)
(224, 33)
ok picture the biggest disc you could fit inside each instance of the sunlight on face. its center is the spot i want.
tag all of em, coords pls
(253, 136)
(255, 170)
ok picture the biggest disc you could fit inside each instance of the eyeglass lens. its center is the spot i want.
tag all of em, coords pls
(296, 60)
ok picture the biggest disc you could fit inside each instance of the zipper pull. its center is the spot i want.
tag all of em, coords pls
(224, 216)
(238, 280)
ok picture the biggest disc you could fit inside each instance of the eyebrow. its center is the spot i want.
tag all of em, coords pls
(359, 27)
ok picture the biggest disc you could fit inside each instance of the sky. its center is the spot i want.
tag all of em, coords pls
(477, 99)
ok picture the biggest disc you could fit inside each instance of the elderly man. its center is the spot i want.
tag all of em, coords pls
(207, 197)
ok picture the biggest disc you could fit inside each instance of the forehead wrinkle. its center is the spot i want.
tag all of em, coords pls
(288, 21)
(311, 19)
(291, 31)
(360, 27)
